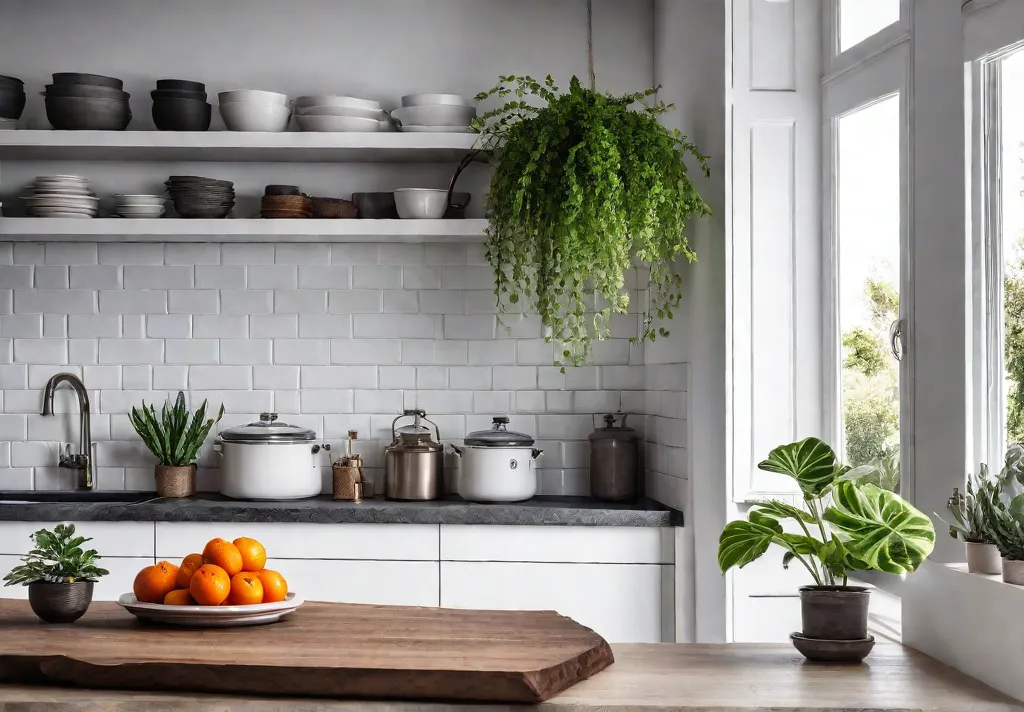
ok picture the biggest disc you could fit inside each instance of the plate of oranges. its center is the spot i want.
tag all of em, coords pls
(227, 585)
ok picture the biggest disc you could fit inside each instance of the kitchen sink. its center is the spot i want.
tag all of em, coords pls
(73, 496)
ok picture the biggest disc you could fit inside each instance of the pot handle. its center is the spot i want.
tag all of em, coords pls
(217, 448)
(456, 449)
(537, 453)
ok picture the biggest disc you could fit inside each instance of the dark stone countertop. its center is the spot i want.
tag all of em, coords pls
(543, 510)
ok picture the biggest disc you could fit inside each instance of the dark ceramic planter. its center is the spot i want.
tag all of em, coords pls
(835, 612)
(60, 602)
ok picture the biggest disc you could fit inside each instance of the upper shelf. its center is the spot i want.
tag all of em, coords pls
(231, 146)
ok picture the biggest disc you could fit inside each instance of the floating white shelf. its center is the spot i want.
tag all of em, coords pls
(292, 147)
(244, 230)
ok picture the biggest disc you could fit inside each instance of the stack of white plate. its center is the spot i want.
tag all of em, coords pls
(139, 206)
(326, 112)
(8, 124)
(435, 113)
(61, 196)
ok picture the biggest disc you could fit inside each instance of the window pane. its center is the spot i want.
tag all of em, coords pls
(859, 19)
(868, 222)
(1012, 155)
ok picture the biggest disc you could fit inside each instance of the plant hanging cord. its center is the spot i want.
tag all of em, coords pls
(590, 44)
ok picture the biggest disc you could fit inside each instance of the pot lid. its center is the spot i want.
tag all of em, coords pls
(499, 436)
(613, 431)
(267, 429)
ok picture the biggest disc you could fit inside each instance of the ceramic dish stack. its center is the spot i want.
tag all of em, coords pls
(196, 197)
(61, 196)
(180, 105)
(78, 101)
(324, 112)
(139, 206)
(286, 206)
(254, 110)
(434, 113)
(12, 101)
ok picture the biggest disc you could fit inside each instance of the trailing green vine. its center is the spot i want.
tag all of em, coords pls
(588, 185)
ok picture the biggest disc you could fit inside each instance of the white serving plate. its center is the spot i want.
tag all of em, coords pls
(436, 99)
(211, 616)
(337, 123)
(353, 111)
(435, 115)
(434, 129)
(38, 213)
(334, 100)
(252, 95)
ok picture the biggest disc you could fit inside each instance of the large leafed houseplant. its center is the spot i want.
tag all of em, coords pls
(587, 185)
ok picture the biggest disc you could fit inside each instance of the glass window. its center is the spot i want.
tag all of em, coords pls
(859, 19)
(868, 234)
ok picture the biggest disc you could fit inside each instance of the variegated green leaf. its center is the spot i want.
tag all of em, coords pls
(879, 528)
(742, 542)
(811, 462)
(785, 511)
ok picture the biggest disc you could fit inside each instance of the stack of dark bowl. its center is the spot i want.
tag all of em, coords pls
(196, 197)
(78, 101)
(180, 105)
(12, 100)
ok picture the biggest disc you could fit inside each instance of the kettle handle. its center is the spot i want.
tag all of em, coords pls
(609, 419)
(419, 413)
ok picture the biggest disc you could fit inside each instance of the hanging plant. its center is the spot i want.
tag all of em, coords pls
(588, 185)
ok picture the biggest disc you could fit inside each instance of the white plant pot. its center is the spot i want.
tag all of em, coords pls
(983, 558)
(1013, 571)
(497, 474)
(271, 471)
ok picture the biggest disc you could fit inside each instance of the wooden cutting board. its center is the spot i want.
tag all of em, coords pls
(322, 650)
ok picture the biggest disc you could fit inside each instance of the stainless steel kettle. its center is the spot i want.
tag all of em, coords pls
(413, 463)
(614, 461)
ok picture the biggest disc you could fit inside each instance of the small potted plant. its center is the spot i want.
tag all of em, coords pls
(969, 523)
(847, 524)
(1002, 507)
(59, 574)
(175, 440)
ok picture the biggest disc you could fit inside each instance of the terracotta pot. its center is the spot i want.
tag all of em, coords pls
(60, 602)
(835, 612)
(983, 558)
(1013, 571)
(175, 481)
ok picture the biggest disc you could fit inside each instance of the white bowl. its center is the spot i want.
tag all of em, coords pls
(375, 114)
(433, 129)
(435, 115)
(423, 99)
(333, 100)
(8, 124)
(211, 616)
(253, 116)
(421, 203)
(337, 123)
(252, 95)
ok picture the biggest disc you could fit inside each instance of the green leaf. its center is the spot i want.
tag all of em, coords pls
(786, 511)
(879, 528)
(742, 542)
(811, 462)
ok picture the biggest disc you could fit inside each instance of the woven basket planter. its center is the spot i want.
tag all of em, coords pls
(175, 481)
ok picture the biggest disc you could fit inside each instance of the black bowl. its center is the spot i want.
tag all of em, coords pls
(12, 103)
(88, 90)
(178, 94)
(282, 190)
(181, 115)
(7, 82)
(378, 206)
(180, 85)
(78, 113)
(456, 209)
(97, 80)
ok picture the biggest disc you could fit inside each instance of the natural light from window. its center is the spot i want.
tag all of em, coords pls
(1012, 158)
(868, 226)
(859, 19)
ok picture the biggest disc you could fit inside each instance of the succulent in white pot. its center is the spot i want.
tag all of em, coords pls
(968, 523)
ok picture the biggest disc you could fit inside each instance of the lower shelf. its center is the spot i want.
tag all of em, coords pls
(247, 230)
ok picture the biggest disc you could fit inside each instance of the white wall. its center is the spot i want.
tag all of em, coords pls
(435, 330)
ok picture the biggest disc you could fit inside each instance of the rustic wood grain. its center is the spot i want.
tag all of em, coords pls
(331, 650)
(645, 678)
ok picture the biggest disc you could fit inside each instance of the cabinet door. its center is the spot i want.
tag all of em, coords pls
(109, 588)
(391, 583)
(625, 603)
(108, 538)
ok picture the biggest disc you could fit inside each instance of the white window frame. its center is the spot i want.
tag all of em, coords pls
(836, 62)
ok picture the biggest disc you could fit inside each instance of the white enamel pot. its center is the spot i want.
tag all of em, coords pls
(269, 461)
(497, 465)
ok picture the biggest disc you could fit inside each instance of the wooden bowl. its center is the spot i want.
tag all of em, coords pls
(333, 208)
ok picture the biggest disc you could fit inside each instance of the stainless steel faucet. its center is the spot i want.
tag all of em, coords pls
(81, 462)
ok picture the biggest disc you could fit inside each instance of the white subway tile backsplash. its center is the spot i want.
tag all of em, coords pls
(15, 277)
(6, 301)
(275, 377)
(189, 351)
(247, 254)
(6, 258)
(515, 378)
(34, 454)
(130, 254)
(337, 426)
(13, 376)
(133, 326)
(492, 402)
(550, 378)
(21, 326)
(126, 351)
(70, 253)
(518, 326)
(96, 277)
(38, 375)
(51, 277)
(596, 402)
(419, 352)
(376, 277)
(274, 326)
(170, 378)
(391, 377)
(431, 377)
(397, 326)
(439, 301)
(325, 326)
(480, 301)
(469, 378)
(398, 301)
(271, 277)
(99, 377)
(248, 403)
(212, 326)
(446, 255)
(326, 401)
(355, 301)
(122, 402)
(219, 378)
(475, 277)
(82, 351)
(54, 301)
(55, 325)
(137, 378)
(40, 351)
(303, 254)
(564, 427)
(287, 402)
(476, 254)
(418, 277)
(365, 351)
(191, 254)
(401, 254)
(300, 301)
(302, 352)
(338, 377)
(321, 275)
(220, 277)
(535, 352)
(531, 401)
(29, 253)
(611, 351)
(622, 377)
(492, 353)
(354, 254)
(476, 326)
(162, 277)
(444, 401)
(237, 301)
(451, 353)
(582, 378)
(169, 326)
(135, 301)
(246, 351)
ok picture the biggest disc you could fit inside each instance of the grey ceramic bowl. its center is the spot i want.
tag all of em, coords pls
(87, 90)
(7, 82)
(94, 79)
(180, 85)
(87, 113)
(178, 94)
(377, 206)
(181, 115)
(12, 103)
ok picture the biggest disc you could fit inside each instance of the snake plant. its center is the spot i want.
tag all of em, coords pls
(845, 525)
(57, 557)
(173, 438)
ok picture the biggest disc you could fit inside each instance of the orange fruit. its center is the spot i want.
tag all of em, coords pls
(154, 582)
(179, 597)
(188, 567)
(222, 553)
(275, 588)
(254, 556)
(246, 589)
(210, 585)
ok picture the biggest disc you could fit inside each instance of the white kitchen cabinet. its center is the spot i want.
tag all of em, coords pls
(109, 588)
(601, 545)
(388, 583)
(108, 538)
(625, 603)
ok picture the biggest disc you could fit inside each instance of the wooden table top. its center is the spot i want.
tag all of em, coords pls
(644, 678)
